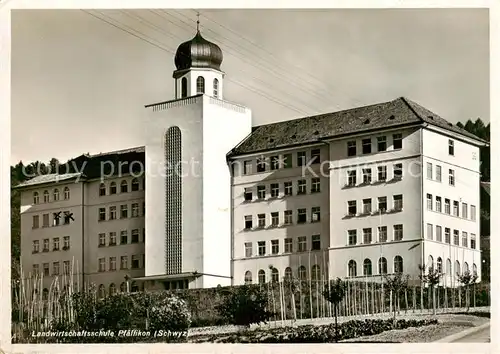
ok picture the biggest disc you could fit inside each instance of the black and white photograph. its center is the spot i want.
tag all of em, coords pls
(248, 176)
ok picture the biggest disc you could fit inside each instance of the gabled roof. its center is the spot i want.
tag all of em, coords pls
(398, 112)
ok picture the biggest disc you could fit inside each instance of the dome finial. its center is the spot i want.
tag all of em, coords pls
(198, 22)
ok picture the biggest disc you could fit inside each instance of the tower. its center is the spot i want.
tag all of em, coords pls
(188, 185)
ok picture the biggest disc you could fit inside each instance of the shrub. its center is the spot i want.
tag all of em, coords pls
(245, 305)
(169, 313)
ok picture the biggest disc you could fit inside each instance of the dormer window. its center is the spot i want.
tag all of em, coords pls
(200, 85)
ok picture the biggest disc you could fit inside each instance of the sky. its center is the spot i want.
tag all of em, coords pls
(81, 79)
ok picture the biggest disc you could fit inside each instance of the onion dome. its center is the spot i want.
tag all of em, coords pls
(198, 53)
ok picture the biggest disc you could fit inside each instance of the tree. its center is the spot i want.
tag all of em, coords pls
(467, 279)
(334, 293)
(396, 283)
(431, 278)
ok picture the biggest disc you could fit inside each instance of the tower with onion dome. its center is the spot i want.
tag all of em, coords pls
(188, 185)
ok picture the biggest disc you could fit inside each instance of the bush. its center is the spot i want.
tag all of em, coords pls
(169, 313)
(245, 305)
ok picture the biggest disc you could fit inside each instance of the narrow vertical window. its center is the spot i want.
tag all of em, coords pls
(200, 85)
(216, 88)
(184, 87)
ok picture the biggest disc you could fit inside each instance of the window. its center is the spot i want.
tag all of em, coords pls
(261, 192)
(367, 267)
(45, 220)
(302, 273)
(102, 189)
(135, 262)
(124, 187)
(315, 156)
(429, 170)
(248, 277)
(315, 242)
(382, 234)
(398, 232)
(367, 206)
(261, 220)
(46, 245)
(351, 208)
(66, 193)
(352, 271)
(46, 269)
(473, 212)
(398, 202)
(261, 164)
(438, 173)
(351, 148)
(448, 267)
(351, 178)
(452, 177)
(55, 268)
(200, 85)
(247, 167)
(275, 219)
(135, 210)
(102, 264)
(352, 237)
(123, 237)
(184, 87)
(367, 236)
(398, 264)
(248, 249)
(36, 246)
(438, 204)
(367, 146)
(315, 214)
(315, 273)
(275, 246)
(112, 238)
(473, 241)
(447, 206)
(474, 269)
(456, 236)
(288, 245)
(302, 244)
(398, 171)
(302, 216)
(66, 244)
(288, 217)
(123, 211)
(123, 262)
(36, 221)
(439, 235)
(447, 236)
(102, 240)
(112, 263)
(56, 219)
(455, 208)
(382, 143)
(301, 158)
(451, 147)
(248, 221)
(288, 188)
(248, 194)
(301, 186)
(430, 230)
(439, 265)
(275, 190)
(466, 267)
(36, 268)
(112, 188)
(287, 160)
(135, 185)
(262, 248)
(275, 162)
(457, 268)
(382, 265)
(382, 173)
(315, 185)
(102, 214)
(464, 239)
(382, 204)
(135, 236)
(397, 141)
(429, 201)
(46, 197)
(367, 175)
(56, 195)
(36, 198)
(112, 287)
(112, 213)
(216, 88)
(465, 210)
(262, 277)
